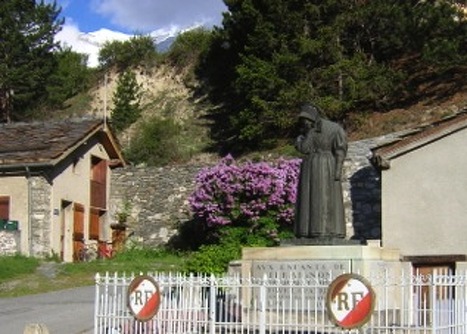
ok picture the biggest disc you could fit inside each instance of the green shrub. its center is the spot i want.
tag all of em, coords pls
(156, 143)
(213, 259)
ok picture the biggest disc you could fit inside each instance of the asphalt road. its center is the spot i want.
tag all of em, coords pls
(63, 312)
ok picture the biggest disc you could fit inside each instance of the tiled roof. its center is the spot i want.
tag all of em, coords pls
(42, 142)
(417, 138)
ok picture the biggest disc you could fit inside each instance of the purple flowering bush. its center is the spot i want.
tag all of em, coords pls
(245, 204)
(239, 195)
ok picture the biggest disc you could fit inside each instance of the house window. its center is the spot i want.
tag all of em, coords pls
(4, 207)
(99, 170)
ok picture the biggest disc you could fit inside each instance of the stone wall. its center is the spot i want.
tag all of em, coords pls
(157, 200)
(362, 190)
(9, 242)
(158, 196)
(41, 192)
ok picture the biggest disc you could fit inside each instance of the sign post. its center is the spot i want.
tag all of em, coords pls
(350, 301)
(143, 297)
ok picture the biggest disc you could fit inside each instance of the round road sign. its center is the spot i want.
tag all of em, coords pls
(350, 301)
(143, 297)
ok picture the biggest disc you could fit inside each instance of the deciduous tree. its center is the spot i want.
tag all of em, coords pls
(125, 54)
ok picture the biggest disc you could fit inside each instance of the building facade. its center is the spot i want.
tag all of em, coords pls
(54, 184)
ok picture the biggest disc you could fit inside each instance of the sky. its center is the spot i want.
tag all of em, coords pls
(89, 23)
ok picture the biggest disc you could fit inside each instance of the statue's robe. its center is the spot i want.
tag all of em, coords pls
(319, 207)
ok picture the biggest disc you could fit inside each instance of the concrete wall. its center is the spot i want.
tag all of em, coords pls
(72, 185)
(425, 201)
(17, 188)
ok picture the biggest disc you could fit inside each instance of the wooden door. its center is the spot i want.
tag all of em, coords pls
(65, 226)
(78, 230)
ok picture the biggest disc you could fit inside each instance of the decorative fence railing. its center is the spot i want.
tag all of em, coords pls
(208, 304)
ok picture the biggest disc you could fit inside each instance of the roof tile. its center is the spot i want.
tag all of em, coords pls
(417, 138)
(25, 143)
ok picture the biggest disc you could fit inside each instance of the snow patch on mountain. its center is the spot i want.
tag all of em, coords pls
(90, 43)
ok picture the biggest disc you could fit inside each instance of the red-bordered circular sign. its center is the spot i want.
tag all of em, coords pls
(143, 297)
(350, 301)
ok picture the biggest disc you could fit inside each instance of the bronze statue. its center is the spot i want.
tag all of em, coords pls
(319, 208)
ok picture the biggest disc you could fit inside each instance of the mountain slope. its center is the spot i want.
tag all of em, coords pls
(427, 97)
(167, 95)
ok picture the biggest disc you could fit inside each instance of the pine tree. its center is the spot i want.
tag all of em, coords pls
(70, 77)
(27, 30)
(271, 55)
(127, 101)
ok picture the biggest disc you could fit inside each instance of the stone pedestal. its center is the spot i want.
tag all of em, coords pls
(308, 262)
(298, 277)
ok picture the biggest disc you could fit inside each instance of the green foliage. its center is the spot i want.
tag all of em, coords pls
(270, 56)
(185, 51)
(16, 265)
(27, 30)
(215, 257)
(212, 258)
(156, 143)
(70, 77)
(137, 50)
(127, 101)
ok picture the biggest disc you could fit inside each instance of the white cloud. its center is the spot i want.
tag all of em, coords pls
(160, 18)
(150, 15)
(87, 43)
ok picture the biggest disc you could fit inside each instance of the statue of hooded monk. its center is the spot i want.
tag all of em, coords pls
(319, 207)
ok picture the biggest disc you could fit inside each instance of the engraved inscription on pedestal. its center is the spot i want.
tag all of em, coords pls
(298, 285)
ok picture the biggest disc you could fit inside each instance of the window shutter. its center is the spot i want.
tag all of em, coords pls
(4, 207)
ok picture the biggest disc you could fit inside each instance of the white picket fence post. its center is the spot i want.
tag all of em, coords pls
(212, 304)
(262, 306)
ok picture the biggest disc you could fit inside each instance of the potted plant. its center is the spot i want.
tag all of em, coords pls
(122, 217)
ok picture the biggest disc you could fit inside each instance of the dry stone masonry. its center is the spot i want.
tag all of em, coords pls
(158, 196)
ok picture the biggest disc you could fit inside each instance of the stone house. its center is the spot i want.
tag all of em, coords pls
(424, 193)
(54, 185)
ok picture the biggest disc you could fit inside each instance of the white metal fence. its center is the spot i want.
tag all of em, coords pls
(208, 304)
